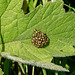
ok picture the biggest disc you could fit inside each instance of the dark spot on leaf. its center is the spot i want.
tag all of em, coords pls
(61, 50)
(73, 46)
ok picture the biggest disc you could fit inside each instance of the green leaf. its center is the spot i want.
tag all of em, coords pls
(3, 6)
(31, 6)
(7, 67)
(17, 29)
(1, 73)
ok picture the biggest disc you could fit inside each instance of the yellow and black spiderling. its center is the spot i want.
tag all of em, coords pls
(39, 39)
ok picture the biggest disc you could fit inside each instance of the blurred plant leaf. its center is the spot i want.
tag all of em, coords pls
(51, 66)
(1, 73)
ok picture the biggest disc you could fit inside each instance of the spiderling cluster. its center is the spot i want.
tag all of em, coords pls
(39, 39)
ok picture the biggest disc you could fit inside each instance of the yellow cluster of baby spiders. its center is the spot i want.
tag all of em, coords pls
(39, 39)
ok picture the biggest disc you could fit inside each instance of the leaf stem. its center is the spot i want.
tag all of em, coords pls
(56, 73)
(44, 72)
(33, 70)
